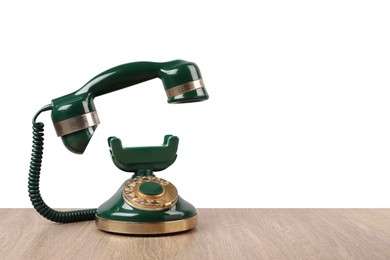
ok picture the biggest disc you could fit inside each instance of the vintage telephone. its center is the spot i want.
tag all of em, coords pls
(144, 204)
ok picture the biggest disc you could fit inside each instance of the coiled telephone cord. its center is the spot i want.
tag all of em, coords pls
(33, 182)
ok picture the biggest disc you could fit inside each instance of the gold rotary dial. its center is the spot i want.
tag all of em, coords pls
(163, 196)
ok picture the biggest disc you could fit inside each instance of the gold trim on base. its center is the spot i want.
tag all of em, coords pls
(146, 228)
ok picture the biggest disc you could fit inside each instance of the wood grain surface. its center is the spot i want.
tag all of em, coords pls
(221, 234)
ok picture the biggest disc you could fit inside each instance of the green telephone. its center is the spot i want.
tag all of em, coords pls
(144, 204)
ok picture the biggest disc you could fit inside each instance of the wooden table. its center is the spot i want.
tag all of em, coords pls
(221, 234)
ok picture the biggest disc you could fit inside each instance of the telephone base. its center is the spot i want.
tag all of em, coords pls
(119, 215)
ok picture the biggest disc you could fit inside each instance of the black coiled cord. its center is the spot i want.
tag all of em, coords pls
(33, 183)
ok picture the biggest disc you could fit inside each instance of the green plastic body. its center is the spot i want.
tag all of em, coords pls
(172, 74)
(143, 161)
(117, 209)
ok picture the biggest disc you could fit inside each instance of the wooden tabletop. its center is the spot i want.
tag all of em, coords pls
(221, 234)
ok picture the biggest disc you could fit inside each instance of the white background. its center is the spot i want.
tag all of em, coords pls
(298, 114)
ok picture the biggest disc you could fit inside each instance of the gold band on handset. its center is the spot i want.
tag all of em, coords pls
(76, 123)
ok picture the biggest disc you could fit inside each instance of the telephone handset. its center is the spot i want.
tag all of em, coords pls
(144, 204)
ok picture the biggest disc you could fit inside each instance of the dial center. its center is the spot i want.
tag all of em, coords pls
(151, 188)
